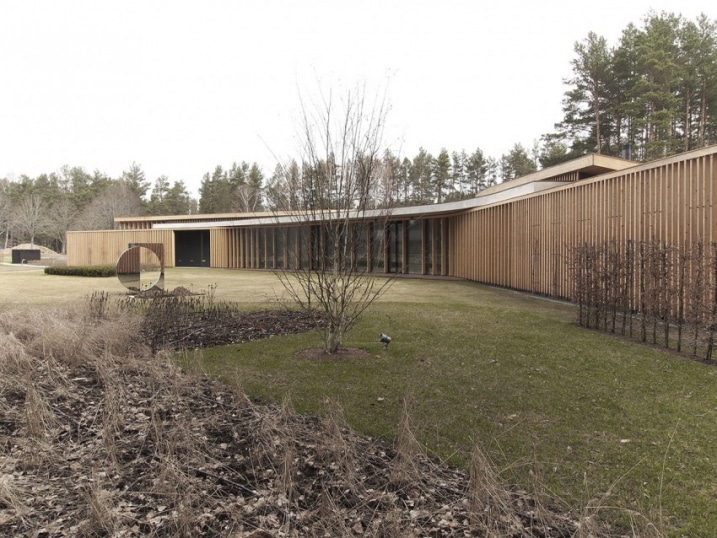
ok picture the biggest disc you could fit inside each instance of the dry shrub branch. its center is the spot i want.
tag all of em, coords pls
(648, 290)
(100, 436)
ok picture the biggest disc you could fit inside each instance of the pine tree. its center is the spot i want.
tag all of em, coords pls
(404, 185)
(584, 103)
(698, 74)
(441, 176)
(177, 200)
(216, 193)
(657, 88)
(657, 94)
(156, 205)
(516, 163)
(206, 195)
(237, 174)
(477, 172)
(553, 151)
(624, 105)
(135, 180)
(458, 176)
(420, 178)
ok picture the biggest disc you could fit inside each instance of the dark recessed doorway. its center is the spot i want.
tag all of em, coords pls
(191, 248)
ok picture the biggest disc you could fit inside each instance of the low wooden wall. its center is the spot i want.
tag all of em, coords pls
(105, 246)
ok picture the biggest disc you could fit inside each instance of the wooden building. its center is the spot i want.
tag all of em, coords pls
(518, 234)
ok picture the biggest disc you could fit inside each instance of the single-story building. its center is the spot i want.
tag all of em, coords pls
(518, 234)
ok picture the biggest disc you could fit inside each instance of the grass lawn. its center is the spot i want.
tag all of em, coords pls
(596, 422)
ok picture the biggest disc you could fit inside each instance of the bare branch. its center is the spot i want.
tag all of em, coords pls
(330, 246)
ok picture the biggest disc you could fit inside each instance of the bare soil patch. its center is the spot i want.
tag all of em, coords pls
(178, 327)
(320, 354)
(191, 329)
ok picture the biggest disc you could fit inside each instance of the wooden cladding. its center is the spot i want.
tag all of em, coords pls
(134, 225)
(104, 247)
(526, 243)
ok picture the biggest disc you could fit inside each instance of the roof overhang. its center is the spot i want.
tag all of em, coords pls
(583, 167)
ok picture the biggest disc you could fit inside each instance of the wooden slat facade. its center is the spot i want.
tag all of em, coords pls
(524, 243)
(104, 247)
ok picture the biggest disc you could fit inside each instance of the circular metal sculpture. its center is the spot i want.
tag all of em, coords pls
(140, 269)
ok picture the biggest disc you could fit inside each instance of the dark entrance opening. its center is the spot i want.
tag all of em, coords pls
(20, 255)
(191, 248)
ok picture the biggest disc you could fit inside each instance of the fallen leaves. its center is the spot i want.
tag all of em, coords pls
(132, 446)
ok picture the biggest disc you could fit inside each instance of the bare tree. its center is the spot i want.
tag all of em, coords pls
(246, 199)
(5, 211)
(327, 270)
(119, 199)
(59, 219)
(29, 216)
(283, 188)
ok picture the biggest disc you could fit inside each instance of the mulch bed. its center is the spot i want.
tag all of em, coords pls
(97, 444)
(167, 454)
(344, 353)
(197, 330)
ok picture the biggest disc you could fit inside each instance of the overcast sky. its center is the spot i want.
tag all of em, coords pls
(182, 86)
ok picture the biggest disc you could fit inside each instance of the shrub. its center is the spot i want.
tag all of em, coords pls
(92, 271)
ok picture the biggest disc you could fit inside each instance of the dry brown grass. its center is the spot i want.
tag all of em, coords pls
(101, 518)
(11, 496)
(339, 449)
(98, 436)
(405, 472)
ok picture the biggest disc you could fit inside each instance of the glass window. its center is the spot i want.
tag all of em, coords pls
(316, 248)
(428, 259)
(395, 264)
(270, 248)
(415, 247)
(304, 246)
(360, 263)
(437, 246)
(262, 248)
(377, 248)
(291, 251)
(280, 246)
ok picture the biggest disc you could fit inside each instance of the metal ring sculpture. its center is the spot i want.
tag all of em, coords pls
(140, 269)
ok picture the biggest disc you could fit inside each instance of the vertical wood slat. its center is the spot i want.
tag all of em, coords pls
(517, 243)
(104, 247)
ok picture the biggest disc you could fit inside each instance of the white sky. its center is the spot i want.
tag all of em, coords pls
(182, 86)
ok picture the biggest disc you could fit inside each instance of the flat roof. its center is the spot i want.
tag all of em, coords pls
(583, 167)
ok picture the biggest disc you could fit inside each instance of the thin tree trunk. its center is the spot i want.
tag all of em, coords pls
(627, 306)
(713, 315)
(697, 295)
(681, 296)
(688, 123)
(703, 118)
(643, 307)
(666, 295)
